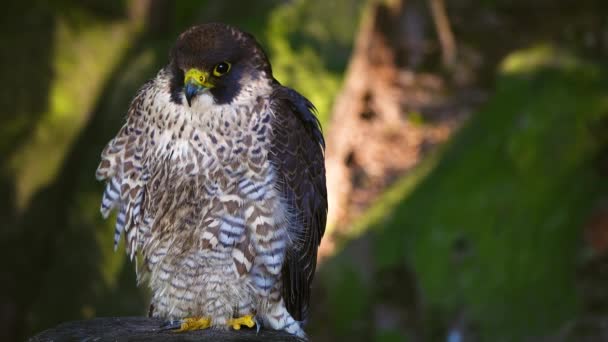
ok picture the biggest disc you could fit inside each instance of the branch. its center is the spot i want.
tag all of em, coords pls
(146, 329)
(444, 31)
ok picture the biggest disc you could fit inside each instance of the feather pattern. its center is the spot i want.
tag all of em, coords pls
(297, 152)
(122, 166)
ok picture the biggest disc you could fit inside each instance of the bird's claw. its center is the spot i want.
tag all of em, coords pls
(247, 320)
(199, 323)
(187, 324)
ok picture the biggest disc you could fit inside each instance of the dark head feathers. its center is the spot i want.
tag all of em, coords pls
(203, 46)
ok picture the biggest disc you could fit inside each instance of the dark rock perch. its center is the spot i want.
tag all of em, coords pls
(147, 329)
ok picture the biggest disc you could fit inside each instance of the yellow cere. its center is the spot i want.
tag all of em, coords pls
(198, 77)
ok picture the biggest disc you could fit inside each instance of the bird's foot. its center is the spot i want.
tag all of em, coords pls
(187, 324)
(247, 320)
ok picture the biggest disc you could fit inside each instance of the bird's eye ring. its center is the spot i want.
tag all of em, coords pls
(202, 79)
(221, 68)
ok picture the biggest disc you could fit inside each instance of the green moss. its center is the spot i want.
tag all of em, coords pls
(494, 227)
(390, 336)
(348, 300)
(382, 210)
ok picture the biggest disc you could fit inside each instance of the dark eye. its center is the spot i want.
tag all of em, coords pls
(221, 68)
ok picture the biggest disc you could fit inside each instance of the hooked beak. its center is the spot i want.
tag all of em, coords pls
(195, 82)
(190, 90)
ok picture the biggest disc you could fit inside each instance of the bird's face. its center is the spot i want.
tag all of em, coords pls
(216, 62)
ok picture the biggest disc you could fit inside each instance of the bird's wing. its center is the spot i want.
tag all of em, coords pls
(123, 168)
(297, 153)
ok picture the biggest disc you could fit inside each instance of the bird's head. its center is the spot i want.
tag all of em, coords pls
(217, 61)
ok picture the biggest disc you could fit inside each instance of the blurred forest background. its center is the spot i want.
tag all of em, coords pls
(467, 159)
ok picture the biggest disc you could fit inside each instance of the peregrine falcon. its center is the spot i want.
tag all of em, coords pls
(218, 178)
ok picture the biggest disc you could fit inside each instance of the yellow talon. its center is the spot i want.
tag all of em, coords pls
(236, 323)
(194, 323)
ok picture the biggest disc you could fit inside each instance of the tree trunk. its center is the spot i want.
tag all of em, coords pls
(387, 115)
(444, 32)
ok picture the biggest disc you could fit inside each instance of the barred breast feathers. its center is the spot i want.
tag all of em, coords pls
(158, 130)
(127, 161)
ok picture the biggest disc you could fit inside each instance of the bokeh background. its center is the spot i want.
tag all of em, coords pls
(467, 159)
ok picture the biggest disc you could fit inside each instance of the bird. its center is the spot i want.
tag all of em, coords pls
(218, 180)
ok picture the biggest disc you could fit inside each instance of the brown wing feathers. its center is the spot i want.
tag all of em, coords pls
(297, 153)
